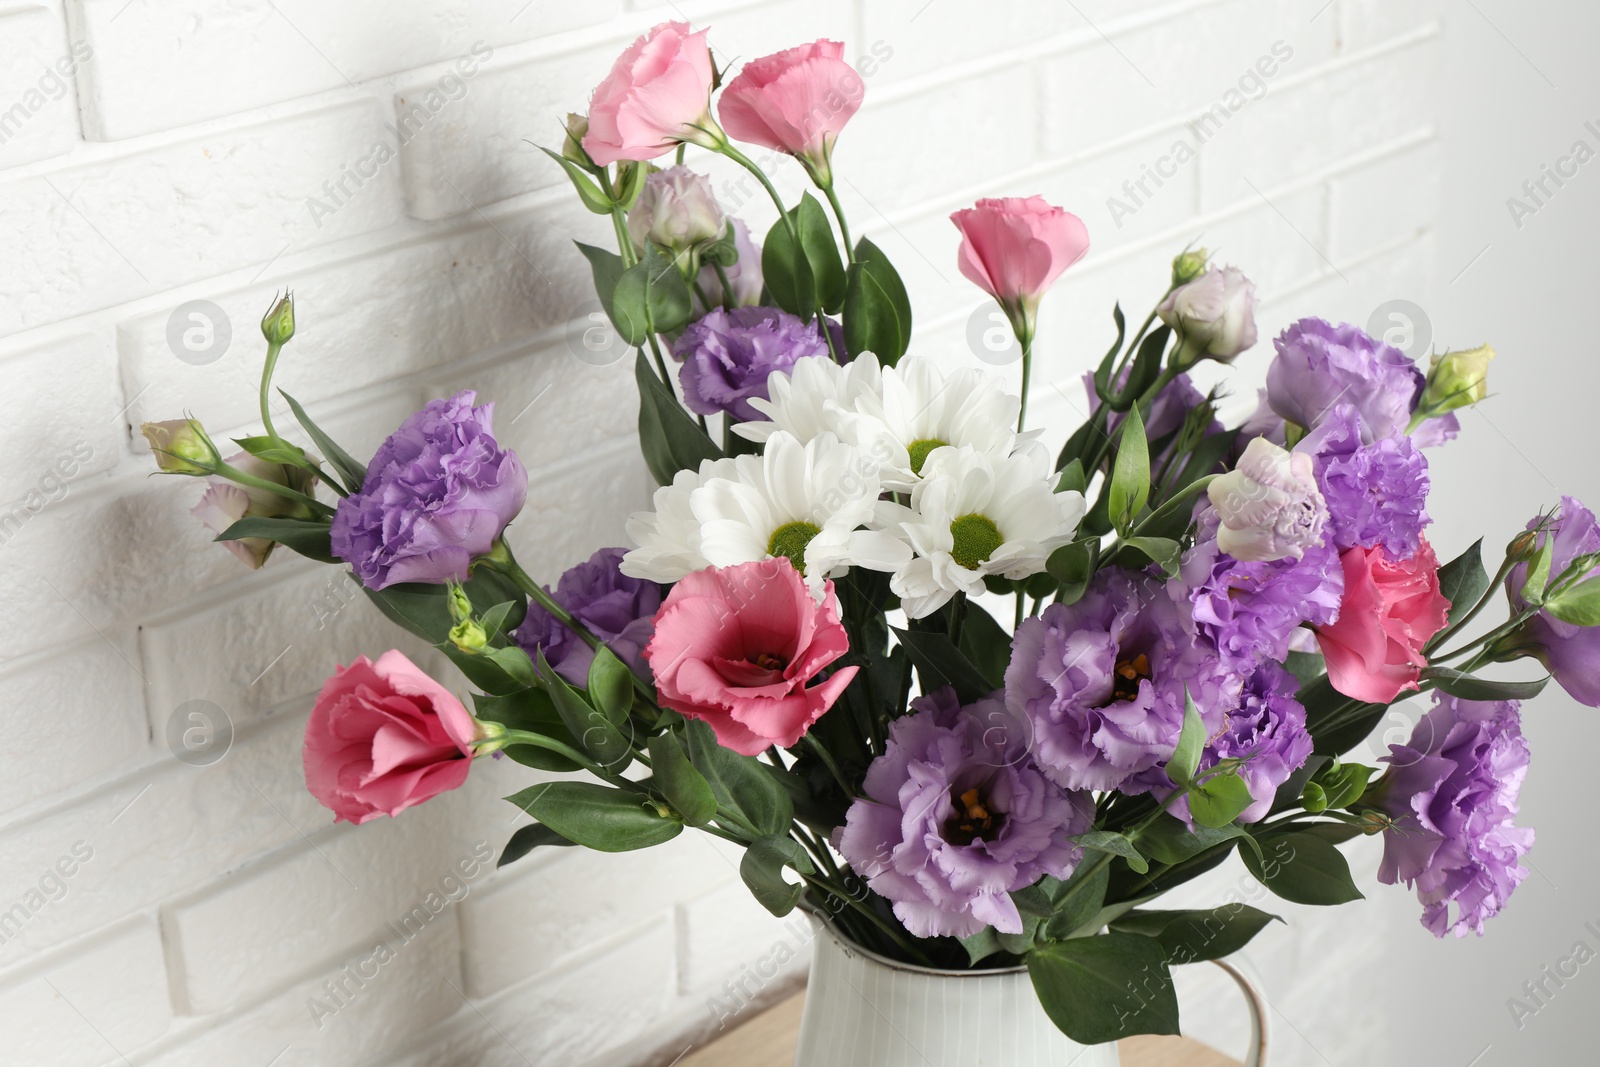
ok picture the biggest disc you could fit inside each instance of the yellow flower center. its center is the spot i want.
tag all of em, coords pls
(973, 820)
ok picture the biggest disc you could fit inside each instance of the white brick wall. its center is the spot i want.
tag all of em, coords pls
(153, 154)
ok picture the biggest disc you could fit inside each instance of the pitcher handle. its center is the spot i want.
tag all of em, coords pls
(1257, 1004)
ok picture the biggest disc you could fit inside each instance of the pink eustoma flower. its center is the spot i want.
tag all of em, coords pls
(1014, 248)
(795, 101)
(735, 647)
(383, 737)
(1391, 608)
(657, 92)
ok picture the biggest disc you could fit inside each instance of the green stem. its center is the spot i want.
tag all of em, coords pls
(234, 474)
(727, 286)
(1488, 594)
(838, 213)
(827, 760)
(897, 936)
(1027, 374)
(958, 616)
(273, 348)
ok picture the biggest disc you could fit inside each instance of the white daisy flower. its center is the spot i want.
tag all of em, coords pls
(804, 501)
(917, 410)
(669, 537)
(974, 514)
(809, 399)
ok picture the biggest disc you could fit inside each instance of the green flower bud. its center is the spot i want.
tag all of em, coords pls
(572, 146)
(1457, 379)
(460, 603)
(278, 325)
(181, 446)
(469, 637)
(1189, 266)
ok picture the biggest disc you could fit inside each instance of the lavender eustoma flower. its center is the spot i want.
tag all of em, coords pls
(1377, 493)
(619, 610)
(1570, 652)
(439, 493)
(1248, 612)
(1267, 729)
(1102, 681)
(1452, 793)
(956, 817)
(1320, 366)
(728, 355)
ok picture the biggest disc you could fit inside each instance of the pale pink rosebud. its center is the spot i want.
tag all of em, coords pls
(657, 94)
(795, 101)
(1014, 248)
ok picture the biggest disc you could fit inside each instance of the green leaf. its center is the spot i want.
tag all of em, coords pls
(1164, 553)
(531, 711)
(740, 783)
(1533, 589)
(1073, 564)
(1463, 581)
(1146, 368)
(529, 838)
(274, 450)
(1194, 935)
(1203, 460)
(822, 253)
(986, 645)
(877, 312)
(762, 870)
(1169, 841)
(305, 536)
(1467, 687)
(1103, 988)
(1578, 604)
(606, 269)
(598, 816)
(1130, 477)
(1117, 845)
(1185, 758)
(425, 609)
(940, 663)
(1078, 902)
(596, 734)
(1073, 479)
(685, 788)
(1305, 869)
(670, 439)
(351, 472)
(593, 199)
(787, 271)
(494, 619)
(1305, 666)
(1219, 799)
(610, 685)
(651, 297)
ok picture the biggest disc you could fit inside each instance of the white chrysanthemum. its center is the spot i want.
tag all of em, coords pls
(917, 410)
(669, 537)
(804, 501)
(809, 399)
(972, 515)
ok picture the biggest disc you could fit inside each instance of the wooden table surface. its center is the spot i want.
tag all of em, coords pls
(768, 1041)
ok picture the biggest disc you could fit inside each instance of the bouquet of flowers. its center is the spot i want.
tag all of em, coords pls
(972, 702)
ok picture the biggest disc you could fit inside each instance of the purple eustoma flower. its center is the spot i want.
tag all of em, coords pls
(1248, 612)
(1452, 793)
(1320, 366)
(439, 493)
(1377, 493)
(1572, 653)
(1267, 730)
(1102, 681)
(728, 355)
(956, 817)
(619, 610)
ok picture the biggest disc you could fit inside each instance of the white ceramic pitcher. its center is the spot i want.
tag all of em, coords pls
(863, 1010)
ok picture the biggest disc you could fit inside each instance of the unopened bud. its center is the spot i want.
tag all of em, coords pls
(1189, 266)
(278, 325)
(577, 126)
(181, 446)
(1457, 379)
(460, 603)
(469, 637)
(1523, 546)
